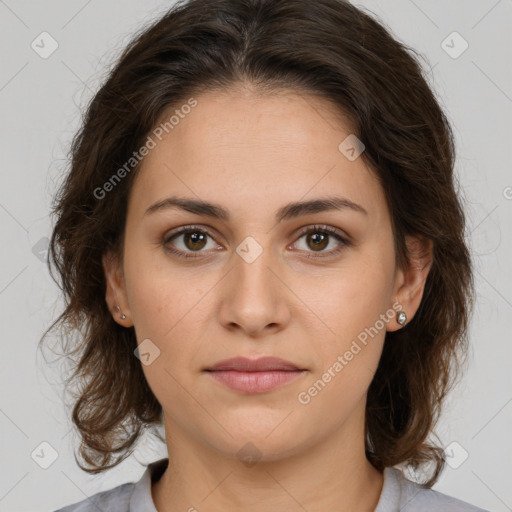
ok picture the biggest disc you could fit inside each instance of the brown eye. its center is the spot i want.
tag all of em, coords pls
(317, 241)
(318, 238)
(194, 240)
(188, 240)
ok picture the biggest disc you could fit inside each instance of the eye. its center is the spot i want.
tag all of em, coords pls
(318, 238)
(190, 239)
(187, 240)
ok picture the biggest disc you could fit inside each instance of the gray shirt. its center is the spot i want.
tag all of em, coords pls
(398, 495)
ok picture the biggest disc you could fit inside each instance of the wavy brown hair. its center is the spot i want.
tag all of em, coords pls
(327, 48)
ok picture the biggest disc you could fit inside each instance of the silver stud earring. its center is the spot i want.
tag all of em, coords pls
(123, 316)
(401, 318)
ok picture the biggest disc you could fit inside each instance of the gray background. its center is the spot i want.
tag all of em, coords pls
(40, 100)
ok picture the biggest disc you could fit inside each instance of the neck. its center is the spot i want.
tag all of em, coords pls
(333, 475)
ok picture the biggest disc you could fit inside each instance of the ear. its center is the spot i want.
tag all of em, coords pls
(116, 289)
(410, 282)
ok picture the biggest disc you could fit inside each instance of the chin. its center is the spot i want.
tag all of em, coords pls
(252, 441)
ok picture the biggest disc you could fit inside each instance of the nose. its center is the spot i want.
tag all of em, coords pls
(254, 297)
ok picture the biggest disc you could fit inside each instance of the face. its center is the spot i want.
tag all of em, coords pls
(255, 277)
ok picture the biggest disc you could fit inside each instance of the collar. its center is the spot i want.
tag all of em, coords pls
(142, 501)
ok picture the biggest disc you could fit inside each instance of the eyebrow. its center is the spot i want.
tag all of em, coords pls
(287, 212)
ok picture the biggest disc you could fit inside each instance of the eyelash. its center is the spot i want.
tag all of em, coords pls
(326, 230)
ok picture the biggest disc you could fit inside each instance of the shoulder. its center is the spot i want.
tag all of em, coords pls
(412, 497)
(126, 497)
(117, 499)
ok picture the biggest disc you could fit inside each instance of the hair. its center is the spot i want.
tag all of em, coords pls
(327, 48)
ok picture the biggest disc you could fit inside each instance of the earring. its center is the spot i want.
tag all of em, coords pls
(123, 316)
(401, 318)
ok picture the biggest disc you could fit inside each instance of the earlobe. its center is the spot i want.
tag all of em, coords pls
(115, 294)
(412, 280)
(123, 316)
(400, 318)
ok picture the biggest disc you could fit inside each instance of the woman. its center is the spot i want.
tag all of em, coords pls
(261, 243)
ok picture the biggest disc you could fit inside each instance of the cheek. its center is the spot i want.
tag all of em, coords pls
(350, 348)
(169, 306)
(153, 299)
(350, 300)
(165, 305)
(159, 294)
(352, 331)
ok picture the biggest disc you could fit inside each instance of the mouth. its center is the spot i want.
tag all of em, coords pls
(262, 364)
(254, 375)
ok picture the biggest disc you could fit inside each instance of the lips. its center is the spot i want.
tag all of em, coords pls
(263, 364)
(251, 376)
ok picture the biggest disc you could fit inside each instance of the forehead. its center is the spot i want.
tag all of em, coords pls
(242, 148)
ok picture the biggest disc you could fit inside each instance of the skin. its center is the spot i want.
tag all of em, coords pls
(252, 154)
